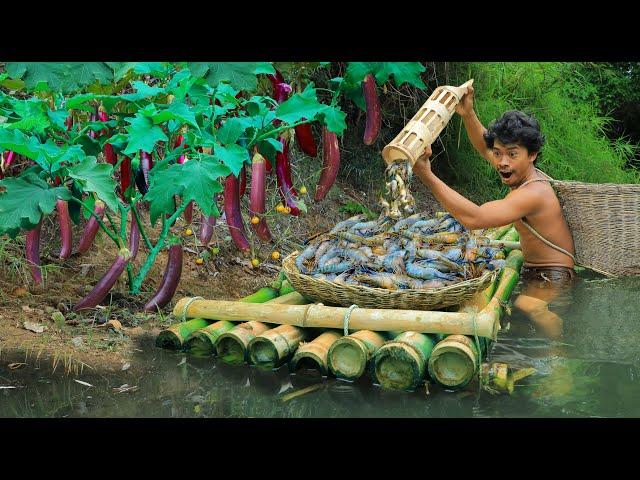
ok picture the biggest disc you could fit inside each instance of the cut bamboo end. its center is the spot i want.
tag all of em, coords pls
(274, 347)
(232, 345)
(398, 366)
(203, 342)
(313, 355)
(453, 362)
(168, 340)
(348, 356)
(401, 363)
(174, 337)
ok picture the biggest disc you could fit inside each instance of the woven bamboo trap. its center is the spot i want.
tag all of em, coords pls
(604, 219)
(331, 293)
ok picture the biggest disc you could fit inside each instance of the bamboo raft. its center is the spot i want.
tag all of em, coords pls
(398, 349)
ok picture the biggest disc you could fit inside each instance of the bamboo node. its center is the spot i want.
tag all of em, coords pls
(345, 320)
(183, 315)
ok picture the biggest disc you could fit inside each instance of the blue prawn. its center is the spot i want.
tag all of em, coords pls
(306, 254)
(426, 273)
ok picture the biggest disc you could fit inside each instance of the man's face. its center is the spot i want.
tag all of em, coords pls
(512, 161)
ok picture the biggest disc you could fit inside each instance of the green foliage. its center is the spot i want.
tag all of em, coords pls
(354, 208)
(241, 75)
(96, 177)
(60, 77)
(194, 180)
(143, 134)
(24, 200)
(576, 147)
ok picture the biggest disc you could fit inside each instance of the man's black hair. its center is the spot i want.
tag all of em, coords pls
(516, 127)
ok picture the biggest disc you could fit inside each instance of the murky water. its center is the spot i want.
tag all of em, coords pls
(593, 372)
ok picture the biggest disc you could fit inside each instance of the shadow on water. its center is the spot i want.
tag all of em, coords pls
(592, 371)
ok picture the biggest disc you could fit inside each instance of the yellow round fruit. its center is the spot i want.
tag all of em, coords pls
(275, 255)
(188, 231)
(255, 220)
(287, 209)
(255, 262)
(303, 190)
(199, 261)
(280, 208)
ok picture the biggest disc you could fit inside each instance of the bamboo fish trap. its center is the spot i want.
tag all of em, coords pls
(426, 124)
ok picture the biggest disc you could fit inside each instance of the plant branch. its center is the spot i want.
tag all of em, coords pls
(100, 222)
(144, 270)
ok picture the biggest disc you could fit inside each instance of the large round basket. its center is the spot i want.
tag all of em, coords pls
(605, 222)
(368, 297)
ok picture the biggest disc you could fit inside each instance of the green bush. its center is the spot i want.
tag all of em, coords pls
(576, 147)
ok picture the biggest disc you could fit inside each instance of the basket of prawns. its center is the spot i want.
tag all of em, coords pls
(414, 263)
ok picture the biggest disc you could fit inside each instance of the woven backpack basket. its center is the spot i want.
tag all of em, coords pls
(604, 219)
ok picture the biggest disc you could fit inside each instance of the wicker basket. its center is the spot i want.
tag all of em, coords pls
(604, 219)
(368, 297)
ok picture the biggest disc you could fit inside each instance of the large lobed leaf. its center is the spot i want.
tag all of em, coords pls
(96, 177)
(143, 134)
(195, 180)
(24, 200)
(241, 75)
(305, 105)
(60, 77)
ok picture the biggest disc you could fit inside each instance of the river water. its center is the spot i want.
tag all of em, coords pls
(592, 372)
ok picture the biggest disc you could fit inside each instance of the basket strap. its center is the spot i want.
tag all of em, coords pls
(547, 242)
(533, 230)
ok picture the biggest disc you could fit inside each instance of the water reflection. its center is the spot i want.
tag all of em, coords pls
(592, 370)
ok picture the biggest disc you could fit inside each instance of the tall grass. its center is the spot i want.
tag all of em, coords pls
(576, 146)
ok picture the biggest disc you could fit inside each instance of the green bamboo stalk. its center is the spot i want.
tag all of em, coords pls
(202, 342)
(314, 354)
(272, 348)
(348, 356)
(401, 364)
(455, 360)
(173, 337)
(286, 287)
(232, 345)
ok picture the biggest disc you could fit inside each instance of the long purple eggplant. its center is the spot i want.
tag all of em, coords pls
(106, 283)
(170, 280)
(206, 229)
(65, 229)
(91, 228)
(32, 251)
(134, 237)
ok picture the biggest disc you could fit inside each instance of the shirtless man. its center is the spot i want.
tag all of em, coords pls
(512, 145)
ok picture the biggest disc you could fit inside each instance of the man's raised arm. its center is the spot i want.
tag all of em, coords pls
(472, 124)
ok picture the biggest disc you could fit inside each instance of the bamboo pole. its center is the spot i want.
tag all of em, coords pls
(348, 356)
(322, 316)
(401, 363)
(202, 342)
(232, 345)
(173, 337)
(274, 347)
(455, 360)
(315, 353)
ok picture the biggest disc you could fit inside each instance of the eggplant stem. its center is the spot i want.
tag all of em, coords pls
(144, 270)
(100, 222)
(147, 242)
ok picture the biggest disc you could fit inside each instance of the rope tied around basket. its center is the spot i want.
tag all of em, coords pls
(347, 316)
(183, 314)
